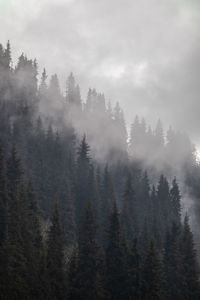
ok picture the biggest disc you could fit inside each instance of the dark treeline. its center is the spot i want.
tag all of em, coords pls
(89, 216)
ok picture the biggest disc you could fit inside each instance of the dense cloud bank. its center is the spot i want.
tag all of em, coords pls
(144, 54)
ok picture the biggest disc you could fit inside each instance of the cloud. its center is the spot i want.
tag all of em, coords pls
(143, 53)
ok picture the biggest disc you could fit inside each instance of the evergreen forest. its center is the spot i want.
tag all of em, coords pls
(91, 209)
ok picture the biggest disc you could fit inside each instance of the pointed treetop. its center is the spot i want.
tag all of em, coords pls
(83, 150)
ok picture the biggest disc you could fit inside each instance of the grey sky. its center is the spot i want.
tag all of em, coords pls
(143, 53)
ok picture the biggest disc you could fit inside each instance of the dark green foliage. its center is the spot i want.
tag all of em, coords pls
(55, 258)
(83, 174)
(15, 171)
(14, 248)
(174, 263)
(34, 246)
(129, 212)
(36, 263)
(134, 272)
(107, 202)
(4, 201)
(191, 274)
(88, 257)
(117, 275)
(73, 284)
(67, 204)
(163, 204)
(144, 198)
(175, 201)
(153, 286)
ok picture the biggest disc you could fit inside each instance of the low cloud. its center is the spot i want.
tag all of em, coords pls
(144, 53)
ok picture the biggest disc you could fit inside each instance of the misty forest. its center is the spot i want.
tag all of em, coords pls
(91, 208)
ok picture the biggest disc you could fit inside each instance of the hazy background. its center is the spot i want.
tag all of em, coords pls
(143, 53)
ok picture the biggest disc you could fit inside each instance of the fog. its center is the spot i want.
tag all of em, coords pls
(144, 54)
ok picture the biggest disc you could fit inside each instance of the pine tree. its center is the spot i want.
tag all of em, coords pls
(43, 85)
(54, 88)
(88, 257)
(7, 55)
(107, 202)
(116, 261)
(73, 283)
(82, 179)
(163, 205)
(73, 92)
(67, 204)
(175, 201)
(144, 238)
(34, 245)
(134, 272)
(4, 201)
(14, 170)
(153, 287)
(13, 252)
(190, 266)
(159, 139)
(55, 258)
(143, 201)
(173, 261)
(129, 213)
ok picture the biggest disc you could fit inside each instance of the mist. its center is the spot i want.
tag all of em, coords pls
(99, 149)
(143, 54)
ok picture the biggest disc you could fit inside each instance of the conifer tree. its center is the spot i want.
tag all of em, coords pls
(14, 170)
(159, 139)
(4, 201)
(107, 202)
(14, 254)
(7, 55)
(34, 245)
(134, 272)
(67, 204)
(153, 287)
(173, 261)
(144, 198)
(144, 238)
(73, 92)
(55, 258)
(82, 179)
(88, 257)
(73, 283)
(43, 86)
(54, 88)
(163, 204)
(175, 201)
(190, 267)
(129, 213)
(116, 261)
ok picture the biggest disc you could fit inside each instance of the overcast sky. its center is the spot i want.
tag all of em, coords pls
(143, 53)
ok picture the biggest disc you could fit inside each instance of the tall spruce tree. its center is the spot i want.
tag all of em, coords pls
(116, 261)
(129, 213)
(107, 202)
(163, 204)
(34, 246)
(153, 287)
(14, 171)
(88, 257)
(190, 267)
(134, 272)
(82, 178)
(4, 200)
(175, 201)
(73, 283)
(173, 261)
(55, 258)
